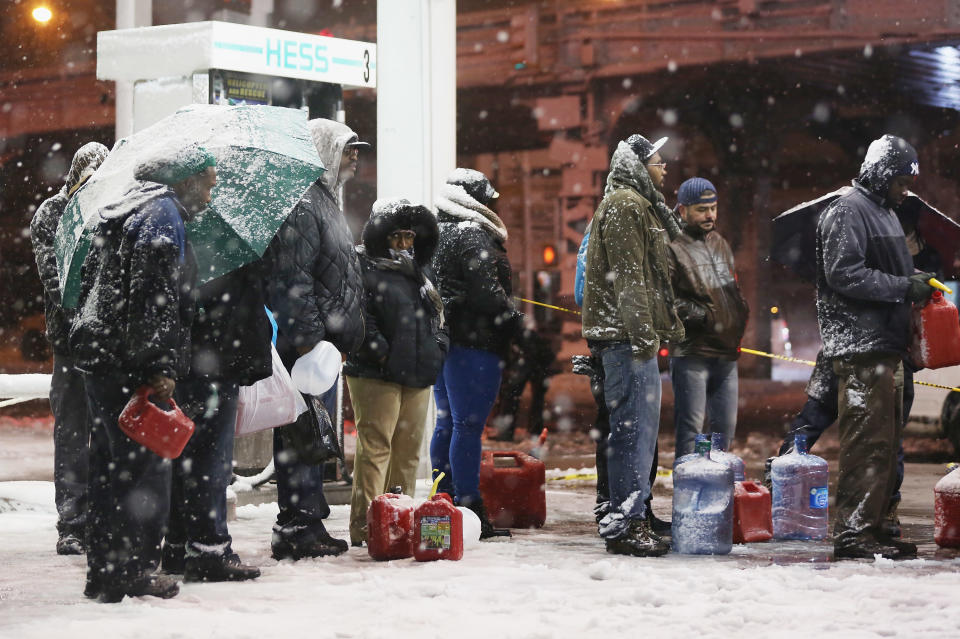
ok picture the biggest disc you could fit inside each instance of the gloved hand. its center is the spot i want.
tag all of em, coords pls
(919, 289)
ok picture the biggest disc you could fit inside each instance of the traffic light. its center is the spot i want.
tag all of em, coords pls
(549, 255)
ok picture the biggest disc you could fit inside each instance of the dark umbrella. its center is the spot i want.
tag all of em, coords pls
(795, 233)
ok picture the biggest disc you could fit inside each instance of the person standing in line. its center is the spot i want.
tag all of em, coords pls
(71, 430)
(474, 278)
(628, 311)
(865, 285)
(132, 329)
(406, 341)
(703, 366)
(315, 291)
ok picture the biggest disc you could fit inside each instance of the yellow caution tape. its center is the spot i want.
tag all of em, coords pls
(937, 284)
(556, 308)
(661, 472)
(807, 362)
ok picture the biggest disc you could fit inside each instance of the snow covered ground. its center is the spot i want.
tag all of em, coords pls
(555, 582)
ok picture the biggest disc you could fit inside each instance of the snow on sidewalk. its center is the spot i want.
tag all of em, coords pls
(556, 582)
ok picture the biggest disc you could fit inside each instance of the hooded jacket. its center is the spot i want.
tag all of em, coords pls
(709, 303)
(313, 283)
(330, 138)
(627, 295)
(406, 338)
(43, 230)
(473, 273)
(863, 266)
(136, 301)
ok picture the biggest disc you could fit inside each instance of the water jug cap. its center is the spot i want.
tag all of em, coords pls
(800, 443)
(702, 447)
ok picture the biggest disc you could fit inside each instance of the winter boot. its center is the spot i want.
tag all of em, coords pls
(70, 544)
(486, 527)
(638, 540)
(659, 526)
(311, 540)
(172, 558)
(601, 510)
(218, 568)
(890, 526)
(91, 589)
(162, 586)
(867, 546)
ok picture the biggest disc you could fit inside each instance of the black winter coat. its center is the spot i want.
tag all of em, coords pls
(314, 286)
(475, 281)
(136, 302)
(862, 269)
(43, 230)
(405, 343)
(231, 333)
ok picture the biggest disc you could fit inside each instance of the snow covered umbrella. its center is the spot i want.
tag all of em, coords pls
(795, 233)
(266, 160)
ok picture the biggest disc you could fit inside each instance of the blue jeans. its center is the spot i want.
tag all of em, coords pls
(129, 490)
(632, 391)
(198, 503)
(71, 444)
(465, 391)
(703, 387)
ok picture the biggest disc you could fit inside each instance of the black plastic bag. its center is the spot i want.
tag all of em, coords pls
(313, 436)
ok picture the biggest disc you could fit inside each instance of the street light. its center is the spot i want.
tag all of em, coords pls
(42, 15)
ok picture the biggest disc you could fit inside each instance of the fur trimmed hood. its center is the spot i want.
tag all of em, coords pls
(394, 214)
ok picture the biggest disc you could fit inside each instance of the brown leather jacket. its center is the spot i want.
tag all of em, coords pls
(708, 299)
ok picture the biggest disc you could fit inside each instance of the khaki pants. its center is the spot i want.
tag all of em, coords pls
(870, 421)
(390, 421)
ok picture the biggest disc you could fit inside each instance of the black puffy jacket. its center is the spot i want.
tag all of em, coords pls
(314, 286)
(405, 342)
(136, 302)
(474, 275)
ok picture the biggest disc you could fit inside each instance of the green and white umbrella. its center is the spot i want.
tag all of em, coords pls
(266, 160)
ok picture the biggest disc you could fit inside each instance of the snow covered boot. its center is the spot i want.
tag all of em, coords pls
(638, 540)
(218, 568)
(311, 540)
(867, 546)
(658, 526)
(162, 586)
(70, 544)
(486, 527)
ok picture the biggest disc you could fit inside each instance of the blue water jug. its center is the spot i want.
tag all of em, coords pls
(799, 494)
(719, 453)
(685, 458)
(702, 505)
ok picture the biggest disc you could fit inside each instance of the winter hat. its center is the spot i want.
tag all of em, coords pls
(695, 191)
(643, 147)
(887, 157)
(475, 184)
(174, 164)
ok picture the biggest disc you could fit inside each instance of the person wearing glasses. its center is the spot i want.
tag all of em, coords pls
(403, 349)
(628, 311)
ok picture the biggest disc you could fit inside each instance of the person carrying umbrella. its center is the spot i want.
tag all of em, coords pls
(71, 431)
(865, 284)
(315, 290)
(132, 328)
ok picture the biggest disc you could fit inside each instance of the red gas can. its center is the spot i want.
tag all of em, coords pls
(512, 486)
(936, 333)
(751, 513)
(390, 527)
(437, 530)
(165, 432)
(946, 511)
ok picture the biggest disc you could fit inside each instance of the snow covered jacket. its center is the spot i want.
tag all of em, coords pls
(627, 295)
(43, 230)
(474, 274)
(231, 332)
(314, 286)
(406, 339)
(862, 270)
(709, 303)
(136, 302)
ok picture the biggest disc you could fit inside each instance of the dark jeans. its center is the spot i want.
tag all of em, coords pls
(300, 485)
(818, 414)
(129, 490)
(704, 399)
(632, 390)
(870, 422)
(465, 391)
(198, 503)
(71, 444)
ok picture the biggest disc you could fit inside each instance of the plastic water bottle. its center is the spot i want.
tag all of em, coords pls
(718, 453)
(703, 505)
(703, 437)
(800, 504)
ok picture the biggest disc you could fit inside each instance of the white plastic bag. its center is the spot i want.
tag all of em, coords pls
(316, 372)
(269, 403)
